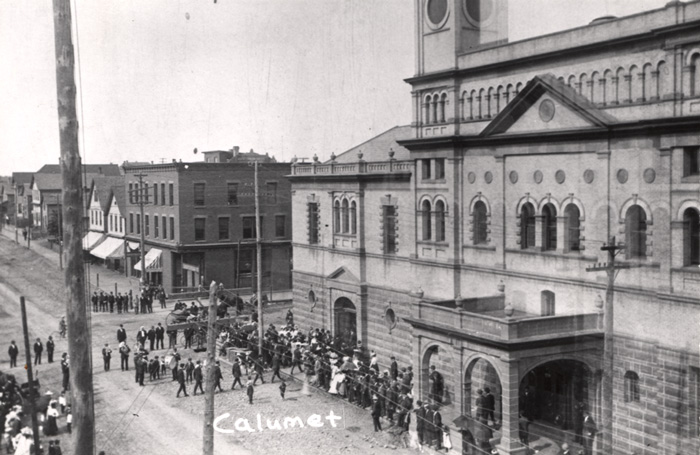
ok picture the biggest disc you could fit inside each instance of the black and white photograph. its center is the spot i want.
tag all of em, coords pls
(382, 227)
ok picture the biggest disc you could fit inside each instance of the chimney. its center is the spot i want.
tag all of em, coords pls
(235, 150)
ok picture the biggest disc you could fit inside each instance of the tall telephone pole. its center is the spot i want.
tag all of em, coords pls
(258, 247)
(610, 268)
(208, 432)
(74, 275)
(141, 194)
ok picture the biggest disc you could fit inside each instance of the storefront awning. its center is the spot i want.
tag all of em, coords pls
(91, 239)
(133, 246)
(152, 259)
(107, 247)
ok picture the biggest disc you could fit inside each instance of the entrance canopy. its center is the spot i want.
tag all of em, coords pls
(107, 248)
(91, 239)
(152, 259)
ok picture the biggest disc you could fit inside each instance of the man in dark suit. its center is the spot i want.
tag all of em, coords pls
(429, 428)
(50, 346)
(198, 377)
(121, 333)
(437, 427)
(236, 371)
(276, 364)
(420, 421)
(437, 385)
(160, 336)
(189, 369)
(151, 335)
(376, 413)
(394, 369)
(13, 351)
(181, 381)
(218, 376)
(141, 336)
(489, 405)
(258, 368)
(38, 349)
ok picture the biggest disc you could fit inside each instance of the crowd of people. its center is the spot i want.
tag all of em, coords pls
(123, 303)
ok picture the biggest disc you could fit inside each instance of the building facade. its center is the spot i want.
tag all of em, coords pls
(470, 240)
(199, 223)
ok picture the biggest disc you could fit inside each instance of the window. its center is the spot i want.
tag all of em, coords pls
(694, 403)
(549, 225)
(223, 228)
(172, 194)
(249, 227)
(344, 211)
(353, 217)
(548, 303)
(162, 197)
(440, 221)
(131, 193)
(390, 222)
(427, 221)
(131, 223)
(280, 225)
(121, 225)
(691, 161)
(199, 194)
(691, 237)
(146, 225)
(138, 223)
(336, 217)
(440, 168)
(631, 387)
(155, 194)
(271, 192)
(146, 193)
(200, 225)
(172, 228)
(314, 220)
(425, 169)
(636, 232)
(232, 192)
(573, 227)
(165, 228)
(155, 225)
(480, 223)
(527, 226)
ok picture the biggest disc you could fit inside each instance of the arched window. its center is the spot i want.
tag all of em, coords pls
(434, 115)
(636, 232)
(631, 387)
(336, 217)
(548, 303)
(691, 237)
(573, 227)
(426, 110)
(344, 216)
(443, 102)
(695, 75)
(440, 221)
(549, 227)
(427, 221)
(527, 226)
(479, 222)
(353, 217)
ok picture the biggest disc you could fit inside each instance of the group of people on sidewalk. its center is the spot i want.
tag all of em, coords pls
(123, 303)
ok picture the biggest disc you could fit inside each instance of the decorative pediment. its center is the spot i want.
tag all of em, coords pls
(547, 104)
(343, 274)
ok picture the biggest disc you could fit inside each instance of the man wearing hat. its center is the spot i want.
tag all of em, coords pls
(236, 372)
(13, 351)
(420, 421)
(376, 413)
(198, 377)
(218, 376)
(181, 380)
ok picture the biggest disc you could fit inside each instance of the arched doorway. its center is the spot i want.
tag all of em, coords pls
(345, 321)
(481, 375)
(436, 386)
(556, 394)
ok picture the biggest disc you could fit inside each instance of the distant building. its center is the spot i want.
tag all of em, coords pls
(199, 223)
(105, 237)
(23, 183)
(463, 241)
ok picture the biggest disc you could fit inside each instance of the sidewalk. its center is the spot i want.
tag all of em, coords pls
(107, 278)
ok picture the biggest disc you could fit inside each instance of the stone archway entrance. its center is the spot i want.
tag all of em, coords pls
(345, 317)
(555, 395)
(481, 375)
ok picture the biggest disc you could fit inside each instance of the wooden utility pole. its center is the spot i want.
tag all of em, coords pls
(74, 274)
(141, 194)
(610, 268)
(208, 448)
(30, 376)
(258, 247)
(16, 213)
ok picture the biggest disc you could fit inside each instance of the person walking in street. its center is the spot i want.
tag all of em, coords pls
(236, 372)
(38, 349)
(296, 360)
(218, 376)
(124, 354)
(189, 370)
(106, 356)
(50, 346)
(198, 378)
(65, 371)
(250, 389)
(151, 335)
(376, 413)
(181, 381)
(121, 334)
(258, 367)
(276, 364)
(160, 335)
(13, 352)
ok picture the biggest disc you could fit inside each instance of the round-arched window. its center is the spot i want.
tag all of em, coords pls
(437, 9)
(390, 318)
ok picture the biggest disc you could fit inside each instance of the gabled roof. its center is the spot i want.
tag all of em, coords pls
(105, 187)
(22, 178)
(377, 148)
(575, 105)
(48, 182)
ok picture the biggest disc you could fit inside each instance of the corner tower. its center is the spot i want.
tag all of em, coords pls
(448, 28)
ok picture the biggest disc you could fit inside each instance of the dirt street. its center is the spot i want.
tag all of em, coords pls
(149, 419)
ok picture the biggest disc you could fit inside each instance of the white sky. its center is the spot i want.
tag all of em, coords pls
(286, 77)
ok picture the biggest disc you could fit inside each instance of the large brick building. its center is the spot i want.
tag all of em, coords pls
(463, 240)
(199, 223)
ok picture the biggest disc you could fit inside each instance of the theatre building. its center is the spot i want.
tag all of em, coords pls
(471, 239)
(199, 222)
